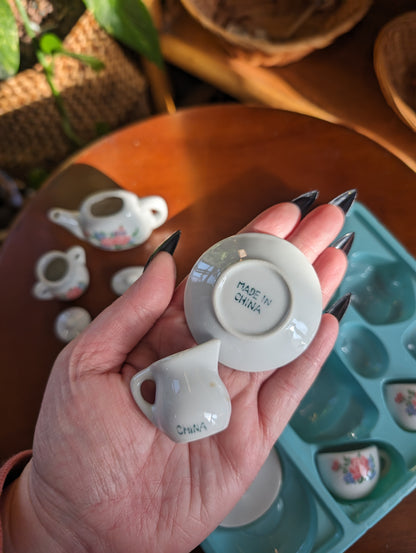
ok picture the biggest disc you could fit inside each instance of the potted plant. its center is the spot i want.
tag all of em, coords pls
(83, 83)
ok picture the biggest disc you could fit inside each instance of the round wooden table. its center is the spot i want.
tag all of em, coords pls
(217, 167)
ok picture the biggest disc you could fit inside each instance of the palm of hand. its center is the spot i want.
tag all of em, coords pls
(123, 485)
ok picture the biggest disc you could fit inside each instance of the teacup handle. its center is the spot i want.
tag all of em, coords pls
(135, 387)
(385, 462)
(157, 208)
(41, 291)
(77, 254)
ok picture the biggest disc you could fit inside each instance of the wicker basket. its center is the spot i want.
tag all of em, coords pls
(395, 66)
(31, 135)
(276, 32)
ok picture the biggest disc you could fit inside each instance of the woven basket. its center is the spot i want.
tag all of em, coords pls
(276, 32)
(395, 66)
(31, 135)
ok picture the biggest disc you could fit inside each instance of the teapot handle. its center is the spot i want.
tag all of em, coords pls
(135, 387)
(157, 208)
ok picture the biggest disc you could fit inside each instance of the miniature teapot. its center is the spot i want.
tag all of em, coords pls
(113, 219)
(191, 400)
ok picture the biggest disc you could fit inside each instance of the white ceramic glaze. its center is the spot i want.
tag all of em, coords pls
(71, 322)
(191, 401)
(350, 474)
(123, 279)
(401, 402)
(61, 275)
(113, 219)
(259, 295)
(260, 495)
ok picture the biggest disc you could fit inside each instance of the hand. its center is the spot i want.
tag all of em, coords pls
(102, 477)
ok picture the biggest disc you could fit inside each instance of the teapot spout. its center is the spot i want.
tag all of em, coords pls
(67, 219)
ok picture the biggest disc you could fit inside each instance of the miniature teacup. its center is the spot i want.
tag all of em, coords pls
(350, 474)
(113, 219)
(191, 401)
(61, 275)
(401, 401)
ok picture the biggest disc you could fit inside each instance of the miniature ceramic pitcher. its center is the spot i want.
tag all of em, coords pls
(61, 275)
(113, 219)
(191, 400)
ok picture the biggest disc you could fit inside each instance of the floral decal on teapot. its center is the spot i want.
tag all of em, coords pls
(114, 240)
(356, 469)
(409, 401)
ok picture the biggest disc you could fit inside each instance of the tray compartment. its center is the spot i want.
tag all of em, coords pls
(409, 341)
(335, 407)
(382, 289)
(363, 351)
(393, 475)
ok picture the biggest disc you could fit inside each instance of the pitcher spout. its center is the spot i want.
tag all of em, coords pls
(205, 356)
(67, 219)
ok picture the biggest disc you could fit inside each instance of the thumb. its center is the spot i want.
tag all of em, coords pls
(104, 345)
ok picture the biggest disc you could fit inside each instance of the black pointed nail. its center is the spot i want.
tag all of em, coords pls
(169, 246)
(345, 200)
(304, 201)
(339, 307)
(345, 242)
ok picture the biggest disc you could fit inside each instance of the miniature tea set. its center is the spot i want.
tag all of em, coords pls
(253, 303)
(112, 220)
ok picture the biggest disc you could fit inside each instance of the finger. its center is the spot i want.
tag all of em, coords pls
(330, 267)
(279, 220)
(317, 230)
(104, 346)
(283, 391)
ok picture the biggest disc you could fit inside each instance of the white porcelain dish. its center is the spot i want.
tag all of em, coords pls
(71, 322)
(260, 495)
(259, 295)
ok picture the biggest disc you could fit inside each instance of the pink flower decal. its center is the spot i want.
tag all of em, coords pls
(359, 467)
(356, 469)
(336, 465)
(74, 292)
(116, 239)
(399, 398)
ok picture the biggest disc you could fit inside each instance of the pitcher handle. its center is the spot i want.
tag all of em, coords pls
(157, 208)
(135, 387)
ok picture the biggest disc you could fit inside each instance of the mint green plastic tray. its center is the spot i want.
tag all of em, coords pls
(346, 406)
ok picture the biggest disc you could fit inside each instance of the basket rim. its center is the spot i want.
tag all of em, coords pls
(391, 93)
(295, 44)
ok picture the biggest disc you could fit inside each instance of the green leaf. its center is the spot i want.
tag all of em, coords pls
(9, 42)
(130, 22)
(50, 43)
(92, 61)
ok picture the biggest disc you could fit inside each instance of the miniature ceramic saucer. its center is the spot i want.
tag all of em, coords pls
(71, 322)
(259, 295)
(123, 279)
(260, 495)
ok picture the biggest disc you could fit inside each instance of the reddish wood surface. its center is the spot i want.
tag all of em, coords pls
(217, 167)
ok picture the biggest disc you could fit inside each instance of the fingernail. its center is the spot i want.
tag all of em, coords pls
(344, 243)
(339, 307)
(305, 201)
(345, 200)
(169, 246)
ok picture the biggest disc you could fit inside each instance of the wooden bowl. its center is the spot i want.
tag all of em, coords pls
(271, 32)
(395, 65)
